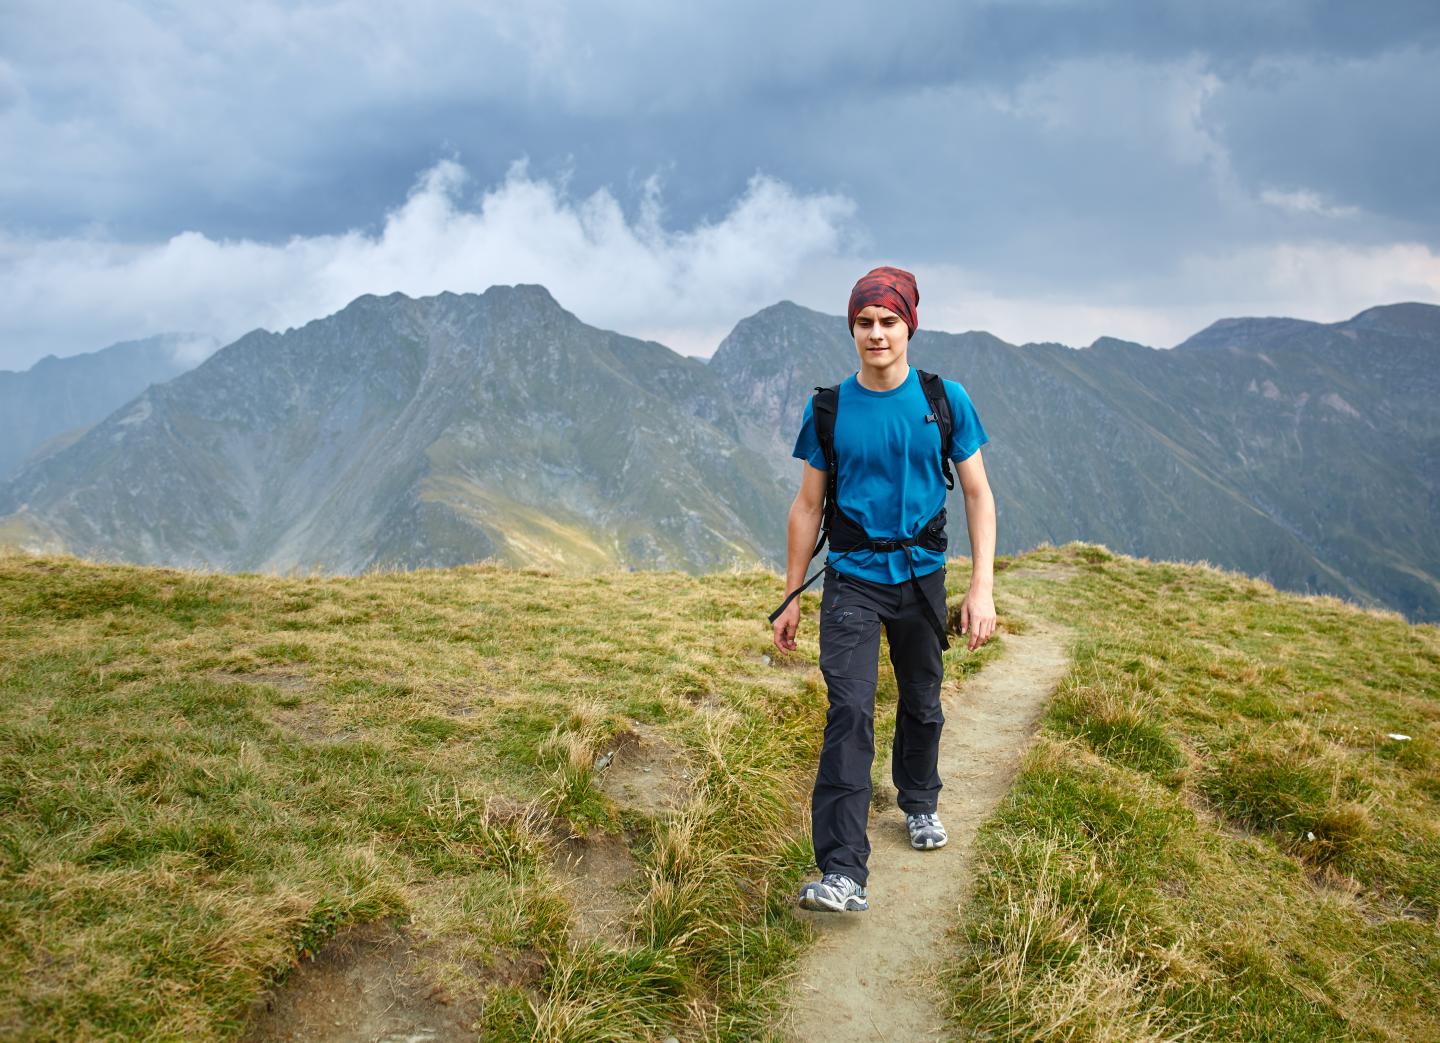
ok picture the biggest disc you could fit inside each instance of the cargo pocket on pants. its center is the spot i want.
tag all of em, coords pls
(847, 634)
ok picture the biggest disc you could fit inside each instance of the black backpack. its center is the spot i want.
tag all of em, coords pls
(823, 407)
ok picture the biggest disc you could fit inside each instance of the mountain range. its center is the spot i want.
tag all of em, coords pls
(408, 432)
(51, 404)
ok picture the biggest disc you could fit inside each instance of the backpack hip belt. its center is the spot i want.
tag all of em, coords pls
(849, 537)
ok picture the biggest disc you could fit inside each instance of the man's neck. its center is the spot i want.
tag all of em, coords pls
(884, 378)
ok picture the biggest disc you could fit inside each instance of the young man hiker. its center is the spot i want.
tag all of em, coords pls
(886, 567)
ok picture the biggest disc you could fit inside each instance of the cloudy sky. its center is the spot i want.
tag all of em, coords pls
(1051, 170)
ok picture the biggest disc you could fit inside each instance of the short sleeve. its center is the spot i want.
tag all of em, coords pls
(807, 444)
(969, 435)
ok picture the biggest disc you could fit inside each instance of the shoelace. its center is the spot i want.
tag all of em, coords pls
(925, 820)
(839, 881)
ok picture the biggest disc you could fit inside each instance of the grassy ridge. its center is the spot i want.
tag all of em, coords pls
(1214, 837)
(204, 776)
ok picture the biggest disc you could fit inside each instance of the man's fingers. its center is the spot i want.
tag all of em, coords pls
(964, 617)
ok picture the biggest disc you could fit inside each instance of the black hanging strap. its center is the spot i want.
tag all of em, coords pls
(796, 592)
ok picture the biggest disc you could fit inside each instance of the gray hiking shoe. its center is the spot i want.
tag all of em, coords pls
(834, 893)
(926, 832)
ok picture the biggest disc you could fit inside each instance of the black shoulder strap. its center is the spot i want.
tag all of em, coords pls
(940, 410)
(823, 407)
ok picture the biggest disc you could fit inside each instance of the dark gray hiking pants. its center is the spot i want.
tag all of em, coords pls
(851, 613)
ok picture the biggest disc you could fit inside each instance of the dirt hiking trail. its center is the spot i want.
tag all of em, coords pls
(872, 976)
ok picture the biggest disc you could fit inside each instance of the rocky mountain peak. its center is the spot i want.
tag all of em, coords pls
(1407, 319)
(1248, 332)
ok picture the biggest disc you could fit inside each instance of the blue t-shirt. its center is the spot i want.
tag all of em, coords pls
(889, 477)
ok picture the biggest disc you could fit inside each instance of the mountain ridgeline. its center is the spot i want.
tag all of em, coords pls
(49, 405)
(402, 433)
(405, 433)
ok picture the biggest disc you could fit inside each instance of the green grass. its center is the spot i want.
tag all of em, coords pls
(1213, 838)
(204, 777)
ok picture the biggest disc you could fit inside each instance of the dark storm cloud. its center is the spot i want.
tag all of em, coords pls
(1362, 131)
(297, 119)
(1070, 148)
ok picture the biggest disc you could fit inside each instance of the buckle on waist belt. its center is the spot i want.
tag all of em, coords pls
(884, 546)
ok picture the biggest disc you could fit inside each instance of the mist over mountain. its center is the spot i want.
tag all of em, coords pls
(57, 398)
(404, 432)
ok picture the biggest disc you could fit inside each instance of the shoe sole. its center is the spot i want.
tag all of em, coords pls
(810, 900)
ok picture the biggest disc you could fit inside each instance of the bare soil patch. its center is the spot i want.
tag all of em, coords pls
(598, 875)
(367, 983)
(312, 721)
(647, 772)
(286, 680)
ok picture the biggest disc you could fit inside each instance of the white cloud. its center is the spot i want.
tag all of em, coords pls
(637, 276)
(191, 349)
(683, 287)
(960, 301)
(1323, 281)
(1303, 201)
(1125, 103)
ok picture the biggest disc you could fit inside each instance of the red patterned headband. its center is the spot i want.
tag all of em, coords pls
(892, 288)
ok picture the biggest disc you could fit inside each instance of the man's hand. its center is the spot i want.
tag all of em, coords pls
(786, 623)
(977, 617)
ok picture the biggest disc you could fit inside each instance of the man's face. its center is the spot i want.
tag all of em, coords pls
(881, 336)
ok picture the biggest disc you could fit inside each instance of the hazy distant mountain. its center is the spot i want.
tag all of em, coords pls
(1305, 453)
(404, 433)
(58, 398)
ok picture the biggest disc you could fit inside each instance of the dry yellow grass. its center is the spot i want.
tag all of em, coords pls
(1215, 837)
(205, 776)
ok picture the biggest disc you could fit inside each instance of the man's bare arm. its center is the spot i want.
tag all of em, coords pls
(803, 530)
(979, 518)
(804, 524)
(977, 614)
